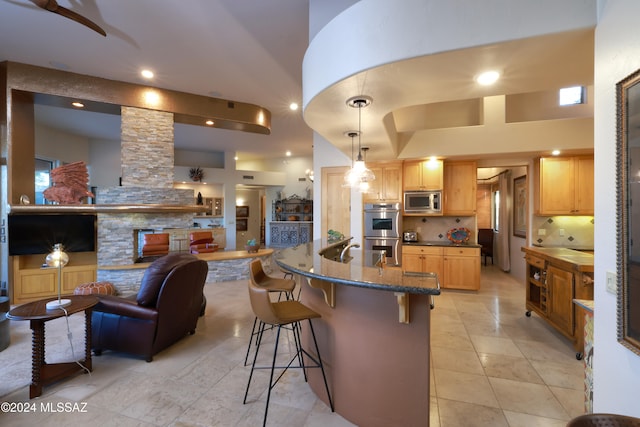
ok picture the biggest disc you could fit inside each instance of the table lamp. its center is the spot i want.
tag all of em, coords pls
(58, 259)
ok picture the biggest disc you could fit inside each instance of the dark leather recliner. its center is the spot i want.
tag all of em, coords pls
(165, 309)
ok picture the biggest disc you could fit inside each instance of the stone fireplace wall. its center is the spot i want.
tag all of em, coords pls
(147, 157)
(147, 151)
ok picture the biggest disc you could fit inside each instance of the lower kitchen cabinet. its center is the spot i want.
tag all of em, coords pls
(461, 268)
(457, 267)
(560, 307)
(423, 259)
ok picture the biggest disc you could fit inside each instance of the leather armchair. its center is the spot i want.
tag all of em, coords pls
(165, 309)
(155, 244)
(202, 242)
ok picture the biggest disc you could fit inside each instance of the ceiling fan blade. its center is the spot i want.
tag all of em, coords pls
(52, 6)
(79, 18)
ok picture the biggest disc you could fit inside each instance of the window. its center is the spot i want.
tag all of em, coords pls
(43, 167)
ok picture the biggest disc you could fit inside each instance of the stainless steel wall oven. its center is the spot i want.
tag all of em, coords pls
(383, 229)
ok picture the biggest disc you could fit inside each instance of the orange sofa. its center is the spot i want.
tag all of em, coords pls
(155, 244)
(202, 242)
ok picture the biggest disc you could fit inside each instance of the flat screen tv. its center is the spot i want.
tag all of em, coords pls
(36, 234)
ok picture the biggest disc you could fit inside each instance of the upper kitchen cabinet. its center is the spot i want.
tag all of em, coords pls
(423, 175)
(387, 187)
(564, 186)
(459, 193)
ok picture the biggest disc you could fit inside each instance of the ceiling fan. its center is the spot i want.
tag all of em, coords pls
(52, 6)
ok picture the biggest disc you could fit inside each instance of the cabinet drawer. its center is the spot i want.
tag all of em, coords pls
(422, 250)
(458, 251)
(534, 260)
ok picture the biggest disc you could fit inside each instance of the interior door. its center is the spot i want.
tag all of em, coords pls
(336, 202)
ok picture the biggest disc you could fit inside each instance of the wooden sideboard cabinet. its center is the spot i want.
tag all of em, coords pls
(290, 233)
(564, 185)
(30, 281)
(387, 187)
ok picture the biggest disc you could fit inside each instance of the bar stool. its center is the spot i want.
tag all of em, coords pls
(271, 284)
(278, 315)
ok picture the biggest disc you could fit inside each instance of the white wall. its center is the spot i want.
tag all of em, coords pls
(52, 144)
(104, 163)
(617, 54)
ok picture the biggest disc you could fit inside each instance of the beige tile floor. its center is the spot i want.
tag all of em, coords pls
(491, 366)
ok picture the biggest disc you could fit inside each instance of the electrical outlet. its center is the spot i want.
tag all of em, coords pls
(561, 231)
(611, 282)
(542, 232)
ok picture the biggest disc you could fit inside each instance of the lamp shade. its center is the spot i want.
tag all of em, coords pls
(57, 257)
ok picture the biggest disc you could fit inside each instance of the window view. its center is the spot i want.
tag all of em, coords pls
(43, 167)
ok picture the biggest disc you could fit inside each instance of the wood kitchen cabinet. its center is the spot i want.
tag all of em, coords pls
(554, 278)
(560, 298)
(422, 175)
(564, 185)
(387, 187)
(461, 268)
(457, 267)
(460, 186)
(423, 259)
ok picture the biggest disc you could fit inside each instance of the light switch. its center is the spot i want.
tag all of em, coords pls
(611, 282)
(542, 232)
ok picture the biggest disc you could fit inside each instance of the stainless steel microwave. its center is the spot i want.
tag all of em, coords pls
(423, 202)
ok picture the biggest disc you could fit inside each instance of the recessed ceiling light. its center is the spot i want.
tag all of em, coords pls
(555, 152)
(147, 74)
(293, 106)
(288, 153)
(78, 104)
(209, 122)
(235, 158)
(488, 78)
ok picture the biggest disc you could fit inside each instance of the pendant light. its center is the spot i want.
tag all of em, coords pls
(359, 175)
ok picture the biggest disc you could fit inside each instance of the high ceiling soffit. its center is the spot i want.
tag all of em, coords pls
(402, 90)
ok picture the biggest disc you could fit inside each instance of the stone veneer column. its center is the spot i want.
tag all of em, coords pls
(147, 148)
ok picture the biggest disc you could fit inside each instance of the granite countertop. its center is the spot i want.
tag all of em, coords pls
(568, 258)
(445, 243)
(361, 270)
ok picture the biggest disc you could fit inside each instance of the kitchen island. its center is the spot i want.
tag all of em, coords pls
(554, 278)
(374, 331)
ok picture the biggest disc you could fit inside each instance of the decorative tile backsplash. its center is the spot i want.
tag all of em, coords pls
(564, 231)
(557, 231)
(434, 228)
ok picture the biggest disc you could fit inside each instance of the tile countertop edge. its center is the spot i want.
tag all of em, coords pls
(571, 258)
